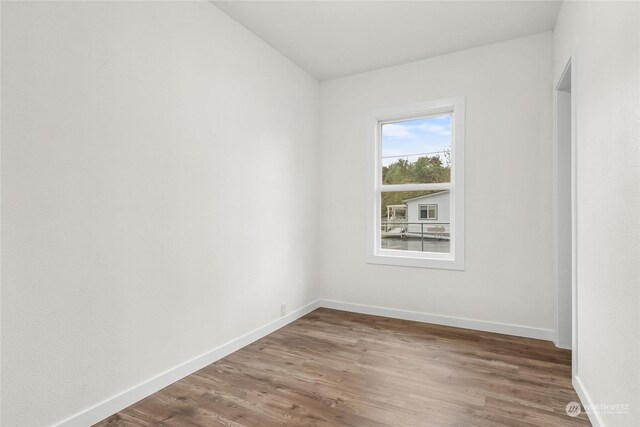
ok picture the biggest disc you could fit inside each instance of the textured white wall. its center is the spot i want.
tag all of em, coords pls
(148, 150)
(508, 276)
(604, 38)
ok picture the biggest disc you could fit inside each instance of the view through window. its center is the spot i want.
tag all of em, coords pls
(416, 151)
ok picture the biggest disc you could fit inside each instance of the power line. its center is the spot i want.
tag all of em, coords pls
(415, 154)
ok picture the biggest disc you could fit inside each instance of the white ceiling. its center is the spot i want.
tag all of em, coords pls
(336, 38)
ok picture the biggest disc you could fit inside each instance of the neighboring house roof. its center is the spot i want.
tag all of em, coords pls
(425, 196)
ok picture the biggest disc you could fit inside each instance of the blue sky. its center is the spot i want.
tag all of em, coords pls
(415, 136)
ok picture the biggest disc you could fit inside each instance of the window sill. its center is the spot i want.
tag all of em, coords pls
(441, 262)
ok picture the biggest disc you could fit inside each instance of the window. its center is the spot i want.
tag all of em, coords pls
(415, 183)
(428, 212)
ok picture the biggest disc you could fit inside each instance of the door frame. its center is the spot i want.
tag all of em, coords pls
(561, 92)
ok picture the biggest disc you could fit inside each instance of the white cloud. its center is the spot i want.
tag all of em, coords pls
(396, 131)
(393, 130)
(437, 129)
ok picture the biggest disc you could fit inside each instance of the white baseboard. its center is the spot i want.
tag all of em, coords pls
(439, 319)
(563, 345)
(585, 399)
(128, 397)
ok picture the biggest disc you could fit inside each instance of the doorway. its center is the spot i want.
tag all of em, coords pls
(565, 214)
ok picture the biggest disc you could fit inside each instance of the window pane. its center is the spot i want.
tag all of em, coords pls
(417, 151)
(424, 213)
(405, 223)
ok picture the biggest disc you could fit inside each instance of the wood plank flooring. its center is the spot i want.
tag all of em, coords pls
(333, 368)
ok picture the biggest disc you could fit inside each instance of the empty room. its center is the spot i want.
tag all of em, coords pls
(320, 213)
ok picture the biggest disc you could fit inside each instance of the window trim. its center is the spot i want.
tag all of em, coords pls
(374, 253)
(434, 205)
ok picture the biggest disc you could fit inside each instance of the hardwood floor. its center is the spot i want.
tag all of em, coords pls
(333, 368)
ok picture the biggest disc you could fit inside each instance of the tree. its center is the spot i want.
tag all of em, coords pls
(427, 169)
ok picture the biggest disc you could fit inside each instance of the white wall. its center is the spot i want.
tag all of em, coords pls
(508, 276)
(604, 40)
(133, 134)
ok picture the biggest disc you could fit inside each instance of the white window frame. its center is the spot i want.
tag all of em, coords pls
(435, 211)
(377, 255)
